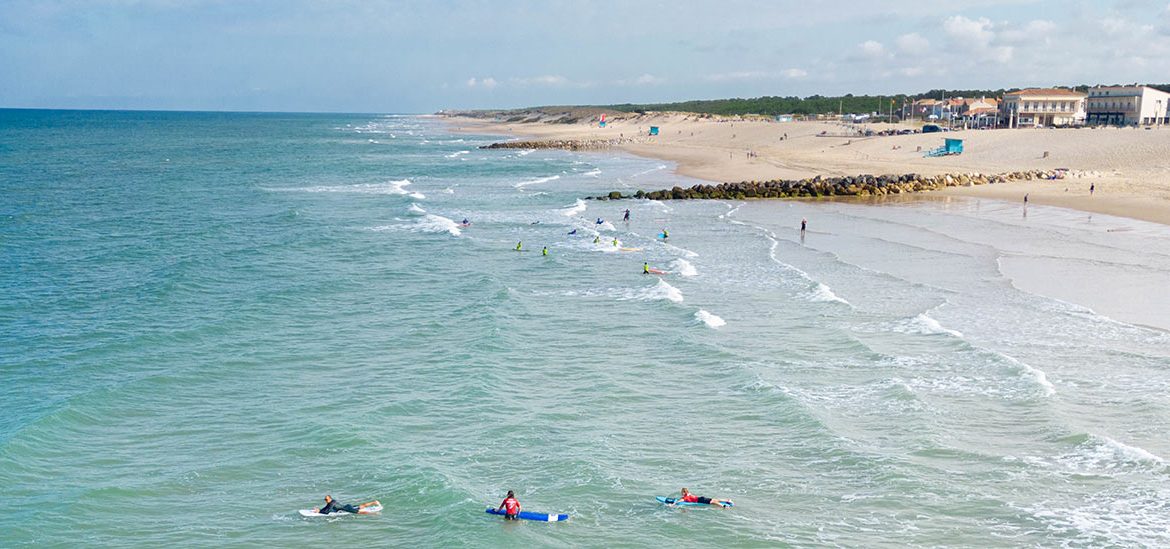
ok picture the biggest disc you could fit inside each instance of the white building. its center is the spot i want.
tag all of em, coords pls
(1127, 105)
(1042, 107)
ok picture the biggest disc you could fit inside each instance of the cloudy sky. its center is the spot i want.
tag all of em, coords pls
(384, 56)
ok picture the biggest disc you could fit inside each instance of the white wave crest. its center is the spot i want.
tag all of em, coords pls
(525, 152)
(416, 209)
(712, 321)
(448, 190)
(536, 181)
(457, 154)
(925, 325)
(824, 294)
(1035, 374)
(593, 173)
(659, 291)
(389, 187)
(605, 226)
(684, 267)
(578, 207)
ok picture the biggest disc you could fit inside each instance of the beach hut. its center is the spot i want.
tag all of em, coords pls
(653, 130)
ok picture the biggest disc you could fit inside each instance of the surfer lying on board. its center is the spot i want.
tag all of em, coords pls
(688, 497)
(510, 506)
(333, 506)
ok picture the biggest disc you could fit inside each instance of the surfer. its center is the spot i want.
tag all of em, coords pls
(573, 232)
(688, 497)
(544, 251)
(665, 233)
(519, 245)
(597, 239)
(334, 506)
(626, 217)
(510, 506)
(645, 268)
(615, 242)
(466, 222)
(599, 221)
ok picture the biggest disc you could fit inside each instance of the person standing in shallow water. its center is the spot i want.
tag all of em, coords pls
(803, 224)
(510, 506)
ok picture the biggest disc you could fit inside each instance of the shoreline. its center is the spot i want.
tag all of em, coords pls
(732, 150)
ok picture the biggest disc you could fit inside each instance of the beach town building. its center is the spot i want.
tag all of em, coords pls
(1127, 105)
(1036, 107)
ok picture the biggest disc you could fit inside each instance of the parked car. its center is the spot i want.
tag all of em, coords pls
(931, 128)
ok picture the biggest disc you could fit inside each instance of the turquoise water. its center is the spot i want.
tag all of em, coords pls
(209, 321)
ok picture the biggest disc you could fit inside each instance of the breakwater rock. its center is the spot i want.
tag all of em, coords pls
(562, 144)
(861, 185)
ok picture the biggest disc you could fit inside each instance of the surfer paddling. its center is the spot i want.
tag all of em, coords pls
(688, 497)
(334, 506)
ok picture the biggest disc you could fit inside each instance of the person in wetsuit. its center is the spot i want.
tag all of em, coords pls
(334, 506)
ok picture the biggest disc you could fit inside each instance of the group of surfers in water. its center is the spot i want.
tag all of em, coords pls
(510, 506)
(596, 239)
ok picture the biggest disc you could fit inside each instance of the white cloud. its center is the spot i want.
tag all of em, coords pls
(737, 75)
(543, 80)
(913, 44)
(973, 32)
(872, 48)
(647, 80)
(485, 83)
(488, 82)
(911, 71)
(795, 73)
(471, 82)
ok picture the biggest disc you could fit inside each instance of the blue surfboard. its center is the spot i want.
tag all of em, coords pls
(671, 501)
(541, 517)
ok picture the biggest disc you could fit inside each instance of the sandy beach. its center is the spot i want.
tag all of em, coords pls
(1128, 168)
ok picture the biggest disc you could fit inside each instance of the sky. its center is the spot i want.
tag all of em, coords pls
(423, 56)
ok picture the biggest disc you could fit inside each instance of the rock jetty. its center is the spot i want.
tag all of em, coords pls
(861, 185)
(563, 144)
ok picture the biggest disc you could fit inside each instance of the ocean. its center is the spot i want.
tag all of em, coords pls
(209, 321)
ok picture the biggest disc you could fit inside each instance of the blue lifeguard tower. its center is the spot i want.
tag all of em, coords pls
(950, 147)
(653, 130)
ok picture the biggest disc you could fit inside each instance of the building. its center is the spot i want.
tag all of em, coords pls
(979, 113)
(1127, 105)
(1036, 107)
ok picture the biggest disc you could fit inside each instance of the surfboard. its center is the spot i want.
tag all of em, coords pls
(662, 236)
(539, 517)
(367, 511)
(631, 249)
(671, 501)
(654, 271)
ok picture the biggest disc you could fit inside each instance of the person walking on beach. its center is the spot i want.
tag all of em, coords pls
(510, 506)
(688, 497)
(1092, 187)
(334, 506)
(1025, 199)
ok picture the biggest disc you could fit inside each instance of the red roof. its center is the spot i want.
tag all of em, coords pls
(1047, 91)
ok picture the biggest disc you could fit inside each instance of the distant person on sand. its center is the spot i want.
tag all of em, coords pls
(1025, 198)
(688, 497)
(1092, 187)
(803, 224)
(333, 506)
(510, 506)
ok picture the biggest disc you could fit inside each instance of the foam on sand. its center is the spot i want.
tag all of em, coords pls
(712, 321)
(684, 268)
(536, 181)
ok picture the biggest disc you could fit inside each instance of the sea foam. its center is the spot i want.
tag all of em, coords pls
(712, 321)
(684, 267)
(536, 181)
(578, 207)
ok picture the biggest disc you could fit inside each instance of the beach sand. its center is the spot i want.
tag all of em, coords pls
(1130, 168)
